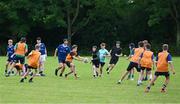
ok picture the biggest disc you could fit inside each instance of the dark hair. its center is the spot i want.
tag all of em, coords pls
(103, 44)
(65, 40)
(94, 46)
(23, 39)
(148, 46)
(132, 45)
(37, 46)
(38, 38)
(141, 44)
(165, 47)
(74, 46)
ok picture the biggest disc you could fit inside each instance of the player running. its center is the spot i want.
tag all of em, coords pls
(115, 54)
(134, 62)
(33, 63)
(131, 53)
(62, 51)
(95, 61)
(69, 61)
(163, 59)
(10, 52)
(102, 56)
(43, 55)
(20, 49)
(146, 61)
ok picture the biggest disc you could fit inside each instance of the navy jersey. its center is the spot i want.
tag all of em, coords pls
(10, 50)
(62, 51)
(42, 49)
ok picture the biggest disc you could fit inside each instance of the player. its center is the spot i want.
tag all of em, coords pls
(131, 48)
(33, 63)
(62, 51)
(20, 49)
(69, 61)
(102, 55)
(10, 52)
(115, 54)
(43, 55)
(95, 61)
(146, 61)
(134, 62)
(145, 43)
(163, 59)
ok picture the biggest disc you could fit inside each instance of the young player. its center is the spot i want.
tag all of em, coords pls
(146, 61)
(43, 55)
(33, 63)
(62, 51)
(69, 61)
(10, 52)
(131, 48)
(163, 59)
(20, 49)
(95, 61)
(145, 43)
(134, 62)
(102, 55)
(115, 54)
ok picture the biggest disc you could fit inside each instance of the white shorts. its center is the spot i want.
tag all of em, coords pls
(42, 58)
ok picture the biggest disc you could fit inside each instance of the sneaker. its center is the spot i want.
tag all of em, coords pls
(119, 82)
(132, 79)
(163, 90)
(107, 72)
(145, 79)
(65, 75)
(43, 75)
(147, 90)
(56, 72)
(22, 80)
(61, 75)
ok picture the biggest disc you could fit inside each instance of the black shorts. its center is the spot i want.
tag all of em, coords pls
(102, 63)
(132, 65)
(147, 69)
(68, 64)
(95, 63)
(113, 61)
(166, 74)
(28, 67)
(18, 59)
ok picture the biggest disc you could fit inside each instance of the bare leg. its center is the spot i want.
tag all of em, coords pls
(122, 78)
(151, 83)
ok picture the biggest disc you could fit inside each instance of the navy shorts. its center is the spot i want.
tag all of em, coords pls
(133, 65)
(95, 63)
(61, 60)
(10, 59)
(18, 59)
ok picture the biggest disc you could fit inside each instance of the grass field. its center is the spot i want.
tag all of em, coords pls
(52, 89)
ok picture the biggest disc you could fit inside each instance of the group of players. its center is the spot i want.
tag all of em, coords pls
(141, 58)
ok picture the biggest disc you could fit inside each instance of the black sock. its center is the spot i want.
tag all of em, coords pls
(60, 74)
(107, 69)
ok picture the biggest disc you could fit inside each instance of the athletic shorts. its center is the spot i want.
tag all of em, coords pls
(166, 74)
(95, 63)
(143, 68)
(61, 61)
(133, 65)
(102, 64)
(18, 59)
(10, 59)
(68, 64)
(113, 61)
(42, 58)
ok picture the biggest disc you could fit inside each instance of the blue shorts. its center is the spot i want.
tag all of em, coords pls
(62, 60)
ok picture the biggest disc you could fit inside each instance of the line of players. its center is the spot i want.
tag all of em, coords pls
(141, 58)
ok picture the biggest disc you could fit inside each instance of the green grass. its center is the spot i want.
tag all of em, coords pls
(52, 89)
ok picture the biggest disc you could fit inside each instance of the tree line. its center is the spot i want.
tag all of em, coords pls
(89, 22)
